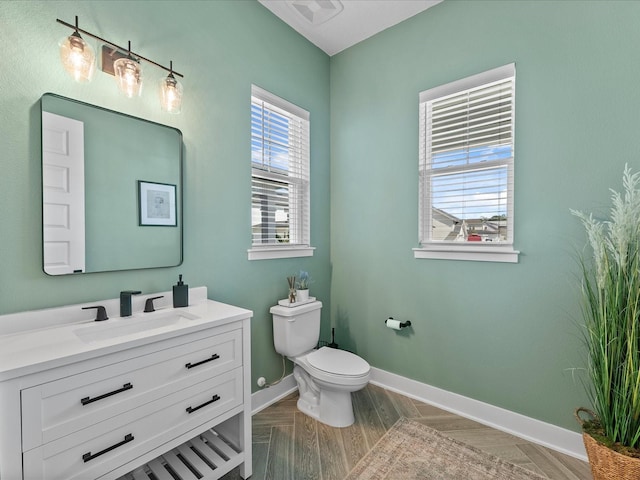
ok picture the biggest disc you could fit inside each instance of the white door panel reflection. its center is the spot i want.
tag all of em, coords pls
(63, 194)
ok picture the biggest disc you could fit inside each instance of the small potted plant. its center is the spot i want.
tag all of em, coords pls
(611, 309)
(302, 286)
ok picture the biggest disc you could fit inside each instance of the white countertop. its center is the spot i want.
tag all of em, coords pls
(24, 352)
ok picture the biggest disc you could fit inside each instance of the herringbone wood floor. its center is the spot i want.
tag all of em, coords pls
(288, 445)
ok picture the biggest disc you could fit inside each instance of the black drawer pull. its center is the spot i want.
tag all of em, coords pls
(125, 387)
(87, 456)
(215, 398)
(215, 356)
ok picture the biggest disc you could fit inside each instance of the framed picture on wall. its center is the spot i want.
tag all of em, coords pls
(157, 204)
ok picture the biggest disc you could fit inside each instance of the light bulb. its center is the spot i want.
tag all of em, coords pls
(78, 58)
(170, 94)
(128, 74)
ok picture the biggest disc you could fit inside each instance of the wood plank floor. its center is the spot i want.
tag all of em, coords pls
(288, 445)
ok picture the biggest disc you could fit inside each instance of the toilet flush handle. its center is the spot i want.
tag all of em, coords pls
(291, 319)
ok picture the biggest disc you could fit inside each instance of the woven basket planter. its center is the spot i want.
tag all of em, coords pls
(605, 463)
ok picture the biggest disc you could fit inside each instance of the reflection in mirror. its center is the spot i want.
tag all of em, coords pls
(94, 216)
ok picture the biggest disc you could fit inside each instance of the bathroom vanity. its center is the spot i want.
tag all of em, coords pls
(156, 395)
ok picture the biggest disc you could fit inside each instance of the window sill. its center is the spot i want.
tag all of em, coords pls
(270, 253)
(478, 253)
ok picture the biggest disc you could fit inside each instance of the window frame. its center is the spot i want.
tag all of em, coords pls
(301, 184)
(445, 249)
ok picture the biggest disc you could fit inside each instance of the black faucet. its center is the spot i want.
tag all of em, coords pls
(148, 305)
(101, 312)
(125, 302)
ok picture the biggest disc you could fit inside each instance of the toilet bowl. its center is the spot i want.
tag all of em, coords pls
(326, 377)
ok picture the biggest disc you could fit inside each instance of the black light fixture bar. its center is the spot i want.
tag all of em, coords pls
(75, 27)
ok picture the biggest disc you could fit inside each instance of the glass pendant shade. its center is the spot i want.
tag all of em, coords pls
(78, 58)
(128, 74)
(170, 94)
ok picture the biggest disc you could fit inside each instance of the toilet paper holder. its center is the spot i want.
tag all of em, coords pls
(402, 324)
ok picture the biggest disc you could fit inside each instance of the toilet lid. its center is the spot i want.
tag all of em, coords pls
(338, 362)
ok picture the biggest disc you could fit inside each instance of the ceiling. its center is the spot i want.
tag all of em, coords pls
(334, 25)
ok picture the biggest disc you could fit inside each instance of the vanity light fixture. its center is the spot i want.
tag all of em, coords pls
(170, 93)
(77, 56)
(124, 65)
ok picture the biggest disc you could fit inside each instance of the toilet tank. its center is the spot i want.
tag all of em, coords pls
(296, 330)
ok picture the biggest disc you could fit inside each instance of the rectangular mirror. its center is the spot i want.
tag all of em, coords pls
(111, 190)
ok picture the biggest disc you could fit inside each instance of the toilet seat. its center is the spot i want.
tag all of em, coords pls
(338, 362)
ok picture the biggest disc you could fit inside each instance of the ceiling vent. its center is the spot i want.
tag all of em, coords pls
(316, 12)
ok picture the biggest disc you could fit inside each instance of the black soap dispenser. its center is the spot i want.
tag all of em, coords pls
(180, 294)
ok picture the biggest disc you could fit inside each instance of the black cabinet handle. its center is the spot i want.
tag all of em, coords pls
(215, 356)
(125, 387)
(87, 456)
(215, 398)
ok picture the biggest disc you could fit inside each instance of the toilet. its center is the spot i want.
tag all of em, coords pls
(325, 377)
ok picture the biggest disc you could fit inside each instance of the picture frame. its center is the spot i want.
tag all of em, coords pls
(157, 204)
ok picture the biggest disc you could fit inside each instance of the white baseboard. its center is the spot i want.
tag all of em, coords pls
(542, 433)
(268, 396)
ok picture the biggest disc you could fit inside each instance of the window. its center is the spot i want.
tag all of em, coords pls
(279, 178)
(466, 168)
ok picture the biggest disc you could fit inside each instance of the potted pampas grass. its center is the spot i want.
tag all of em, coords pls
(611, 310)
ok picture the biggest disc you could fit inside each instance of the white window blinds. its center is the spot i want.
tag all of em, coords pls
(279, 171)
(466, 159)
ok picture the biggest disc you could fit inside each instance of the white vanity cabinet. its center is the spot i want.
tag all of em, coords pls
(171, 402)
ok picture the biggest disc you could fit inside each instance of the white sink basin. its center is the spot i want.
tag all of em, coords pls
(121, 327)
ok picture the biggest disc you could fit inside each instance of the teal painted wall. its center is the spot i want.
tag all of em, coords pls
(505, 334)
(500, 333)
(221, 47)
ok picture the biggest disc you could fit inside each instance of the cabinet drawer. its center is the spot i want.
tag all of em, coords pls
(64, 406)
(94, 451)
